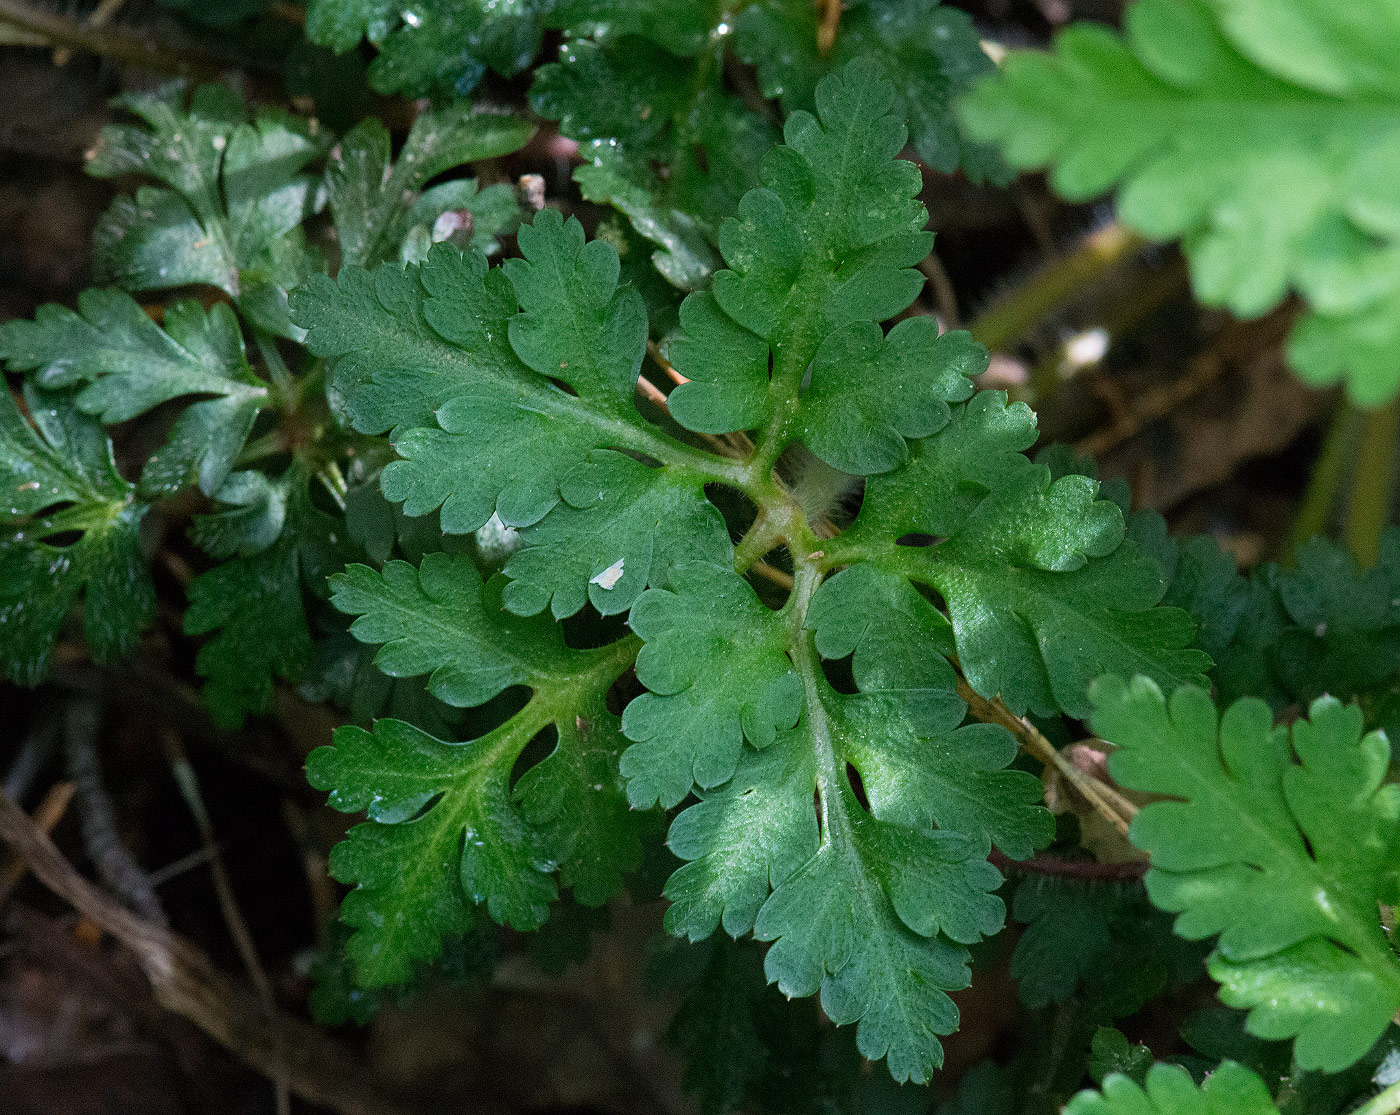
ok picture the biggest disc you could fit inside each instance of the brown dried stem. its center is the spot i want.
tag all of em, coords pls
(1113, 806)
(46, 818)
(118, 44)
(280, 1046)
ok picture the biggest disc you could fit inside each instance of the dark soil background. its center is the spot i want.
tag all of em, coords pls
(1195, 411)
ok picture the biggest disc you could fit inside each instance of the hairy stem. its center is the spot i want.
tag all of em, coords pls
(1369, 510)
(1009, 318)
(1326, 478)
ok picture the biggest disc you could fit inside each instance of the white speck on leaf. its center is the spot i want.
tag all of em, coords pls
(609, 577)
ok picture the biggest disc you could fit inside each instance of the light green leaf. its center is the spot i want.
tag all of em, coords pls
(1043, 592)
(1285, 858)
(620, 527)
(846, 416)
(1231, 1090)
(1266, 143)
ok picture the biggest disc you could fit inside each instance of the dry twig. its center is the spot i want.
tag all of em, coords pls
(65, 32)
(1114, 807)
(46, 818)
(118, 869)
(315, 1067)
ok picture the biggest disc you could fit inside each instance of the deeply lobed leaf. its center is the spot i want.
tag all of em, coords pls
(1042, 590)
(233, 200)
(929, 51)
(1285, 858)
(1266, 145)
(509, 392)
(125, 365)
(277, 545)
(472, 834)
(463, 364)
(376, 201)
(59, 478)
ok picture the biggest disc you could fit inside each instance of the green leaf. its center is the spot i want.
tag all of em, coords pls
(1346, 638)
(437, 47)
(1067, 937)
(1112, 1053)
(1333, 1005)
(462, 365)
(833, 234)
(236, 187)
(742, 839)
(1205, 581)
(869, 897)
(836, 933)
(667, 144)
(1286, 858)
(418, 877)
(447, 339)
(574, 798)
(253, 602)
(125, 365)
(852, 830)
(930, 52)
(846, 416)
(1291, 635)
(919, 768)
(375, 201)
(391, 368)
(59, 479)
(985, 1089)
(1101, 945)
(717, 667)
(726, 369)
(251, 518)
(620, 527)
(1266, 145)
(441, 620)
(1231, 1090)
(472, 838)
(576, 324)
(864, 899)
(1043, 592)
(897, 638)
(722, 1021)
(341, 24)
(828, 240)
(460, 211)
(681, 26)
